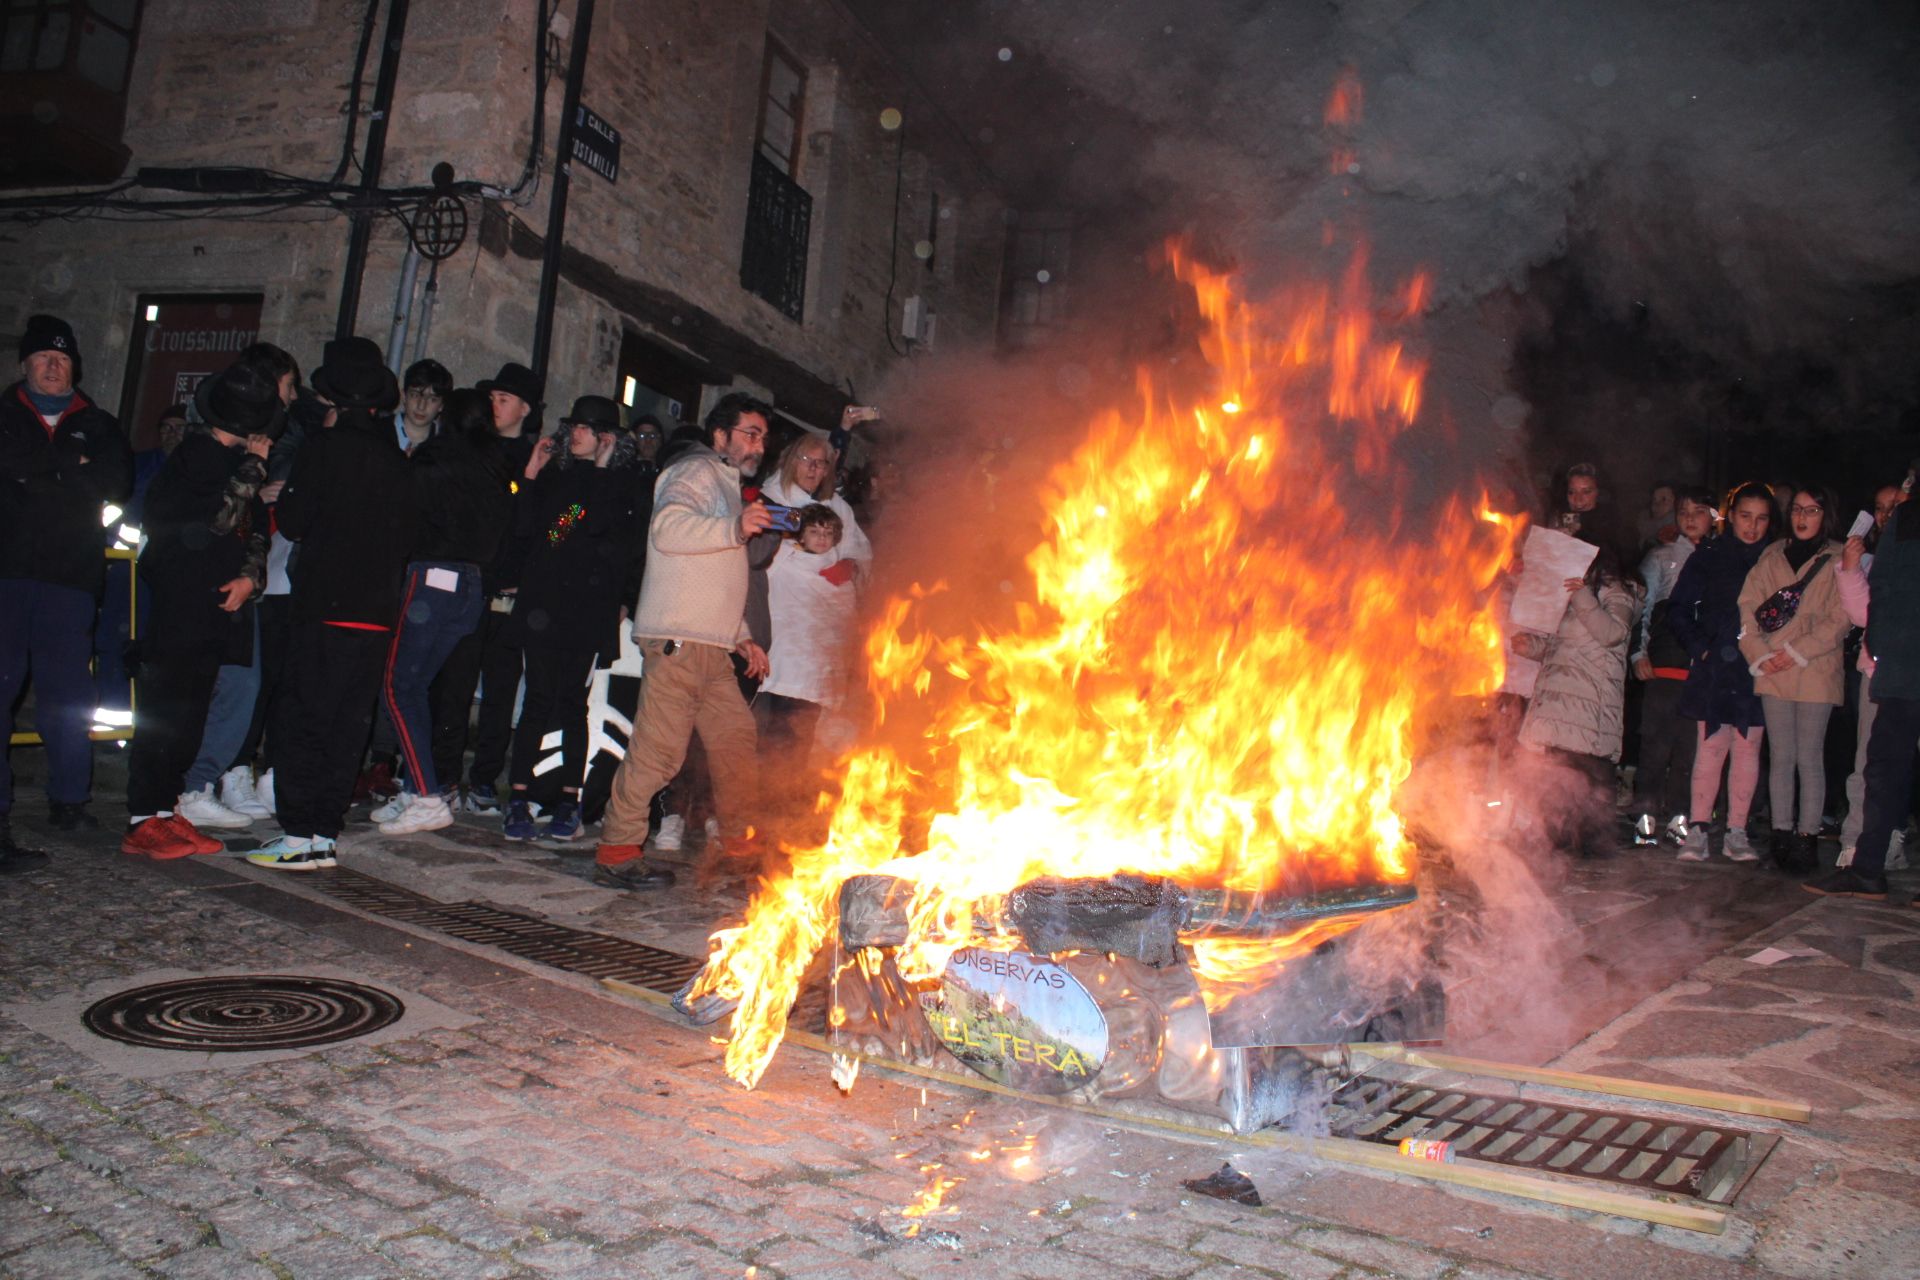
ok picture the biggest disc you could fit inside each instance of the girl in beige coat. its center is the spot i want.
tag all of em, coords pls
(1798, 670)
(1576, 714)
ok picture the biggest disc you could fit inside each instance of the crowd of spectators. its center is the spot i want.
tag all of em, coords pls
(335, 570)
(1744, 629)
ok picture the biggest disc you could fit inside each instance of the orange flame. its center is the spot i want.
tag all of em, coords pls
(1219, 675)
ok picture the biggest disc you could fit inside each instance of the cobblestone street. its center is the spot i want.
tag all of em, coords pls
(540, 1127)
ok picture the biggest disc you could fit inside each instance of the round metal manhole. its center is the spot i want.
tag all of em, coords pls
(244, 1014)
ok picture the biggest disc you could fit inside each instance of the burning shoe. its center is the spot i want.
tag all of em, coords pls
(1693, 846)
(1845, 882)
(520, 824)
(203, 810)
(1644, 832)
(1737, 846)
(295, 853)
(1677, 828)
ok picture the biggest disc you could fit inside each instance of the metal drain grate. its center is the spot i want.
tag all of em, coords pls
(244, 1014)
(1705, 1161)
(596, 955)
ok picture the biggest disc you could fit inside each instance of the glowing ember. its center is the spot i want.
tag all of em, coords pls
(929, 1201)
(1219, 677)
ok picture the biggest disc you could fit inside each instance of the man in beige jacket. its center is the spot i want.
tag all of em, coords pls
(689, 623)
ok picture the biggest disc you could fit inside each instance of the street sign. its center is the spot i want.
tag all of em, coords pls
(596, 144)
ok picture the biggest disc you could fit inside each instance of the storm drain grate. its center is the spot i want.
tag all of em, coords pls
(596, 955)
(1705, 1161)
(243, 1014)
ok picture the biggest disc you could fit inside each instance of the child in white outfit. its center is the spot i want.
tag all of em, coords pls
(811, 604)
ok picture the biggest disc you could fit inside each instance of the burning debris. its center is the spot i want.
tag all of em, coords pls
(1228, 1183)
(1080, 848)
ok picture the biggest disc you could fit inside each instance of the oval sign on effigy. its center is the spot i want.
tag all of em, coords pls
(1019, 1020)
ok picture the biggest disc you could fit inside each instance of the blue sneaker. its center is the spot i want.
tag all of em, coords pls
(565, 824)
(290, 853)
(520, 823)
(482, 800)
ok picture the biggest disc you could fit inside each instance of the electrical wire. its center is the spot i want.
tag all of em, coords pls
(353, 93)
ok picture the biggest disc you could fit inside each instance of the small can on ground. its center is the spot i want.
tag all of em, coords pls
(1427, 1149)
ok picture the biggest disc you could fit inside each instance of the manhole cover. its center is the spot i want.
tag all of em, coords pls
(245, 1014)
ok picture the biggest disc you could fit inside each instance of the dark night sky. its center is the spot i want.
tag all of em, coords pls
(1704, 217)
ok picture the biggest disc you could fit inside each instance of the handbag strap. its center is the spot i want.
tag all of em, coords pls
(1819, 563)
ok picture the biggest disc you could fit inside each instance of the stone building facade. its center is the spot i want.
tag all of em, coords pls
(725, 109)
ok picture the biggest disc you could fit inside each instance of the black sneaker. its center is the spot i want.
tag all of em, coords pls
(71, 817)
(637, 875)
(13, 858)
(1845, 882)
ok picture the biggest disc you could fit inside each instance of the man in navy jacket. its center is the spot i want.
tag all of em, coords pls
(62, 459)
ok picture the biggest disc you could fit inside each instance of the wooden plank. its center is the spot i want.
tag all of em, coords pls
(1679, 1095)
(1476, 1174)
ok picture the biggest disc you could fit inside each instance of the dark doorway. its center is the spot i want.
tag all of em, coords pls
(657, 380)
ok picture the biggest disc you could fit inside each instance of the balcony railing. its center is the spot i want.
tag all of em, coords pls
(773, 262)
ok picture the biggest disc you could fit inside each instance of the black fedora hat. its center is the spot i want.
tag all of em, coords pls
(516, 380)
(597, 412)
(354, 375)
(239, 400)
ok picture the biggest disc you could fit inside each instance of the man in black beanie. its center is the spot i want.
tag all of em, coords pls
(62, 459)
(346, 507)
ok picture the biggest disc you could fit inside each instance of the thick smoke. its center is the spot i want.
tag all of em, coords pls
(1740, 177)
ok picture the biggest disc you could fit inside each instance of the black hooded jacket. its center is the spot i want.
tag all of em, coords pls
(205, 527)
(574, 527)
(462, 492)
(52, 486)
(349, 508)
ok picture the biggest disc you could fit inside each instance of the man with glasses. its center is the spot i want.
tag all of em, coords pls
(689, 622)
(423, 391)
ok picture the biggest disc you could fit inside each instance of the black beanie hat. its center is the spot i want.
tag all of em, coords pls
(49, 333)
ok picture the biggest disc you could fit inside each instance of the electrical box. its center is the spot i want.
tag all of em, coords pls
(917, 321)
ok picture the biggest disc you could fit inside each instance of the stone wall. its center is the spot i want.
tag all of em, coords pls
(265, 83)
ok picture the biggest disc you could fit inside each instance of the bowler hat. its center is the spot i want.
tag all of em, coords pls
(517, 380)
(239, 399)
(354, 375)
(597, 412)
(49, 333)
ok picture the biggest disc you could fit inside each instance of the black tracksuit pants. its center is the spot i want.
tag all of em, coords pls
(173, 694)
(484, 658)
(556, 699)
(321, 723)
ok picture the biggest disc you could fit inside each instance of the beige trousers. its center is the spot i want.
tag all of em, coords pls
(691, 690)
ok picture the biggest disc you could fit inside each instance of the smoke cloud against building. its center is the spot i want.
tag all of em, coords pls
(1726, 189)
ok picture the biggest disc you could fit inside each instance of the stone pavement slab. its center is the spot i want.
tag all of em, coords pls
(545, 1129)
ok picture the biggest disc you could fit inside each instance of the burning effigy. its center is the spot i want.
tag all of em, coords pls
(1134, 832)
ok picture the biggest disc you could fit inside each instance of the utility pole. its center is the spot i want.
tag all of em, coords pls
(562, 179)
(362, 233)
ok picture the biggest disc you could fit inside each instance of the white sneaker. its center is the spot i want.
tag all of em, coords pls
(673, 830)
(393, 808)
(238, 793)
(202, 810)
(422, 813)
(1737, 847)
(1693, 846)
(263, 792)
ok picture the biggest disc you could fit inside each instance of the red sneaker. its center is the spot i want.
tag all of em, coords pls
(159, 839)
(200, 840)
